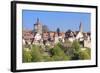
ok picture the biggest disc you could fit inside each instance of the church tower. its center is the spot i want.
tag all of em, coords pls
(38, 27)
(81, 27)
(37, 22)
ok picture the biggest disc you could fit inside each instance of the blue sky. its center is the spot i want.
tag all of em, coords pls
(54, 20)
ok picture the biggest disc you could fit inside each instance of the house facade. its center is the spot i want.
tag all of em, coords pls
(51, 37)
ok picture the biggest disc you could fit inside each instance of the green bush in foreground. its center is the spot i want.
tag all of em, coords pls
(36, 54)
(83, 55)
(27, 56)
(58, 54)
(76, 46)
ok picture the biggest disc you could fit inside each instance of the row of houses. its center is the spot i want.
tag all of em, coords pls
(52, 37)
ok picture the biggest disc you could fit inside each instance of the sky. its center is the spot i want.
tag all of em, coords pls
(54, 20)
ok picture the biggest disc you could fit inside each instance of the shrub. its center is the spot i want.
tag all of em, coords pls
(75, 56)
(76, 46)
(83, 55)
(36, 54)
(27, 56)
(89, 51)
(58, 54)
(47, 58)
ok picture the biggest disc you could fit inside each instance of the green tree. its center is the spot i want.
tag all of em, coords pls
(36, 54)
(75, 56)
(47, 58)
(27, 56)
(83, 55)
(76, 46)
(76, 49)
(58, 54)
(88, 50)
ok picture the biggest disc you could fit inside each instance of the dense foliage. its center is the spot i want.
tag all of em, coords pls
(60, 52)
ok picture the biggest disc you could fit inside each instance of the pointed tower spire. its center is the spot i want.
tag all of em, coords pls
(81, 27)
(37, 20)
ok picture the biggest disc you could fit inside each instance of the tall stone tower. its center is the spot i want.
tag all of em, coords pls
(38, 27)
(81, 27)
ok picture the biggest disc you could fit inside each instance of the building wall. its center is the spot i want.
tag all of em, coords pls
(87, 44)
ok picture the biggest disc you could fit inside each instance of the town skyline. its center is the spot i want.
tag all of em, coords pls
(70, 21)
(46, 42)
